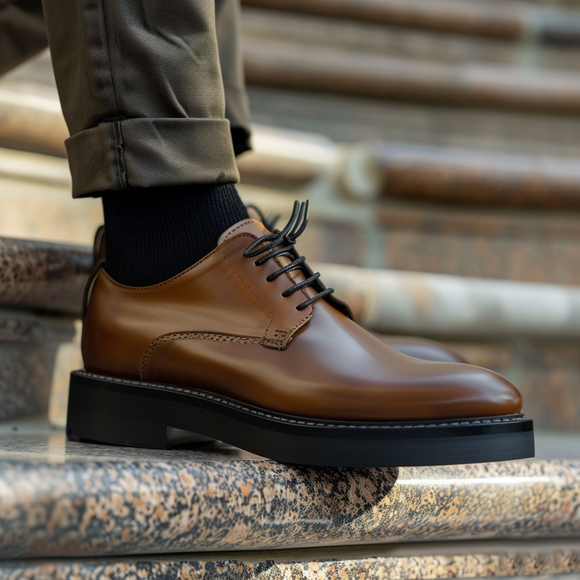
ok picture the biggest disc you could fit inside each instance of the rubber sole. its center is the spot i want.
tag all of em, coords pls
(141, 414)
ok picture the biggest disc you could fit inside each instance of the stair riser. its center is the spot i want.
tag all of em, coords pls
(515, 246)
(25, 379)
(28, 354)
(548, 375)
(307, 566)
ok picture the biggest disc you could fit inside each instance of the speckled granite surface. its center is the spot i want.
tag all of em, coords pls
(43, 276)
(28, 347)
(407, 562)
(72, 499)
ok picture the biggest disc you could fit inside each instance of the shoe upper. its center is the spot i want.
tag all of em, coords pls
(229, 326)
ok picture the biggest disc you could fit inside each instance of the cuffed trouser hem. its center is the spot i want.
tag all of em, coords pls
(123, 153)
(238, 113)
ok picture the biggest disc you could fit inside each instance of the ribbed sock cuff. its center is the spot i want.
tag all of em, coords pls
(155, 233)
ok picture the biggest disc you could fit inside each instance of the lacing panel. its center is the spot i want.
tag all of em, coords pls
(268, 245)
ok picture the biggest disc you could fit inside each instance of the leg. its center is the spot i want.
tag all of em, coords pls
(22, 32)
(141, 91)
(23, 35)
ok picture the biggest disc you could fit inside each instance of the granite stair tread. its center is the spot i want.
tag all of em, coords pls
(549, 560)
(43, 276)
(68, 499)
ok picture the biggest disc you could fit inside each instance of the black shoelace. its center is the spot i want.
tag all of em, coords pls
(287, 239)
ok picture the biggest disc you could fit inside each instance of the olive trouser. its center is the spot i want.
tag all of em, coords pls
(147, 97)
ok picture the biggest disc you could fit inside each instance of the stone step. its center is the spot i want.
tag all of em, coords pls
(29, 345)
(349, 119)
(546, 372)
(421, 45)
(346, 118)
(458, 176)
(389, 233)
(35, 195)
(506, 20)
(32, 118)
(409, 302)
(433, 79)
(62, 499)
(298, 67)
(35, 349)
(411, 235)
(43, 276)
(290, 159)
(548, 560)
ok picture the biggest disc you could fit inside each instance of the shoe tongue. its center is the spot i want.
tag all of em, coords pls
(248, 226)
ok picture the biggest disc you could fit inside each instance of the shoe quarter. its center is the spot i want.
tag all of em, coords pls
(210, 297)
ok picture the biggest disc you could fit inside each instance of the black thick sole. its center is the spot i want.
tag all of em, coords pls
(158, 416)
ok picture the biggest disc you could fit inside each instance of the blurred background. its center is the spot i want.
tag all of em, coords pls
(439, 144)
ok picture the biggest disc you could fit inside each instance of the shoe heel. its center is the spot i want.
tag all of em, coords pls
(101, 414)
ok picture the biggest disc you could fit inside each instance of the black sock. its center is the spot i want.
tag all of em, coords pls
(153, 234)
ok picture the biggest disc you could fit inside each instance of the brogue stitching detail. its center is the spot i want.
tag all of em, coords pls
(513, 418)
(284, 341)
(207, 336)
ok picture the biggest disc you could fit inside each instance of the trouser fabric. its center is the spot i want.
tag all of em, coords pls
(149, 98)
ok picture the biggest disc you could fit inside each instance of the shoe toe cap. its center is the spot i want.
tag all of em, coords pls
(471, 391)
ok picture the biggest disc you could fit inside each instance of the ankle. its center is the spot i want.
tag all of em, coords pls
(155, 233)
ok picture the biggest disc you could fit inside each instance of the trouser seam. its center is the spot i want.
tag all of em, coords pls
(117, 129)
(106, 32)
(120, 155)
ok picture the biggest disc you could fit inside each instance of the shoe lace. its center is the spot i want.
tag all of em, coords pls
(287, 239)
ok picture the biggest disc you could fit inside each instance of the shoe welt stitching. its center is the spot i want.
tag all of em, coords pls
(190, 391)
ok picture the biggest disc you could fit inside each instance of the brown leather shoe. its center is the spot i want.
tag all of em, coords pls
(247, 346)
(422, 348)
